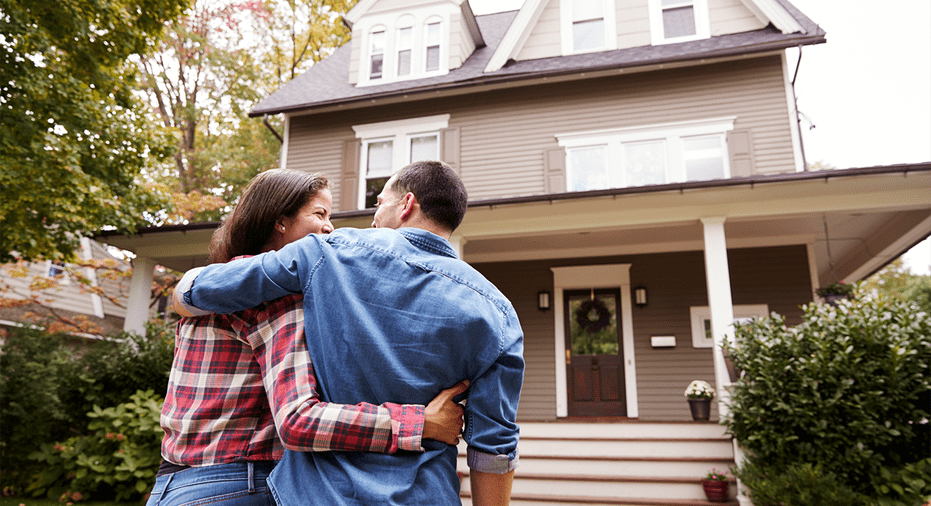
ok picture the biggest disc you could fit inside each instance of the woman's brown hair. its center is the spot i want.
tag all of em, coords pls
(269, 196)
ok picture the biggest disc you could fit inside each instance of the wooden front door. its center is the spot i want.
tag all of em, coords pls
(594, 356)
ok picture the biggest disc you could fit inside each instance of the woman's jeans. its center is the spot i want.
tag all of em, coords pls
(236, 484)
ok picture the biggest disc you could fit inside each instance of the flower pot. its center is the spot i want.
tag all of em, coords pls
(715, 490)
(701, 409)
(834, 299)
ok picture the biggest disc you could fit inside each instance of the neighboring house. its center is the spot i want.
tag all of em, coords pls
(636, 183)
(62, 296)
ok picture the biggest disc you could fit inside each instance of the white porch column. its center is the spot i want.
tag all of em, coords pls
(458, 243)
(719, 302)
(140, 295)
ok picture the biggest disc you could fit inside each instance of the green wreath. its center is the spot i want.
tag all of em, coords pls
(593, 315)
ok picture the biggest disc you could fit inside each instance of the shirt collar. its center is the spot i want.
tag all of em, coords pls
(428, 241)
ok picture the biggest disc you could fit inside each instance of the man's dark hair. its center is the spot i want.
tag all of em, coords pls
(438, 189)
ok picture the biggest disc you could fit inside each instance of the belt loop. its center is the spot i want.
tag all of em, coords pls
(251, 477)
(165, 490)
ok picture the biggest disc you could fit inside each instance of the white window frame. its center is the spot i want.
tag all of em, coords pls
(416, 18)
(444, 48)
(701, 314)
(62, 275)
(609, 11)
(702, 22)
(384, 53)
(671, 133)
(400, 132)
(399, 47)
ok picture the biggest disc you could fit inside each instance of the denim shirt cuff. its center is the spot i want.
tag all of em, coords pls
(489, 463)
(184, 289)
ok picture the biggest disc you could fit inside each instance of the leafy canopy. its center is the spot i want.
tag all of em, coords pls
(73, 139)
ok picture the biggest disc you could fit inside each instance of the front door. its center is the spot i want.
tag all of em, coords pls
(594, 356)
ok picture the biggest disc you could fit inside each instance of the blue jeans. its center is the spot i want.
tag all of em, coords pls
(236, 484)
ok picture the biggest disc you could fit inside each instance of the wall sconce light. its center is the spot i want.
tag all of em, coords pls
(640, 296)
(543, 300)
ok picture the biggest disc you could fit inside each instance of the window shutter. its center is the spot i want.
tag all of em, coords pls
(740, 151)
(349, 186)
(555, 168)
(449, 148)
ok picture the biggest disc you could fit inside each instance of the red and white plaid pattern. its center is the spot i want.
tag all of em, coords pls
(217, 409)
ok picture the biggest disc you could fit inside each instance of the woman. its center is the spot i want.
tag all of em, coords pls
(242, 385)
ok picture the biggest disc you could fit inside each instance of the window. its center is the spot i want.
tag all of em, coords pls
(432, 41)
(701, 321)
(588, 25)
(377, 51)
(678, 20)
(56, 270)
(405, 44)
(661, 154)
(388, 146)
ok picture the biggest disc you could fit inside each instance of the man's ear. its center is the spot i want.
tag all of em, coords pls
(410, 204)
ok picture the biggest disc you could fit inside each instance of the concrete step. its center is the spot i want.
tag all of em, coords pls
(618, 487)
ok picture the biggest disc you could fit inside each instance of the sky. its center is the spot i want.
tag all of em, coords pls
(867, 91)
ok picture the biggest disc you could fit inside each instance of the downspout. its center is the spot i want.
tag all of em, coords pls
(281, 140)
(798, 115)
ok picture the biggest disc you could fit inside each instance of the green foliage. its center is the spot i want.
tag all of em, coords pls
(800, 484)
(849, 390)
(897, 281)
(909, 485)
(118, 459)
(74, 139)
(48, 391)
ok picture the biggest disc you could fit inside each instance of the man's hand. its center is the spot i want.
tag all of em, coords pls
(443, 417)
(177, 306)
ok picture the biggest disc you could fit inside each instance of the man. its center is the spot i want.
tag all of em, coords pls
(390, 316)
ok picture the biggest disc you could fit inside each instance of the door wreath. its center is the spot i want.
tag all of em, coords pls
(593, 315)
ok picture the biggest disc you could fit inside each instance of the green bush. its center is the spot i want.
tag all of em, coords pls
(117, 460)
(48, 391)
(848, 391)
(801, 484)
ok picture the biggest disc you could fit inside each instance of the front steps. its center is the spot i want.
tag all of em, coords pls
(616, 464)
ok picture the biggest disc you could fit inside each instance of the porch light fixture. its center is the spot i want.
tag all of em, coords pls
(640, 296)
(543, 300)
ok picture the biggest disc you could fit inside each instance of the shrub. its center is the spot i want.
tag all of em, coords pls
(848, 390)
(117, 460)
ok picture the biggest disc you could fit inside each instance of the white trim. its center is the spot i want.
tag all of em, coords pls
(416, 18)
(793, 116)
(517, 34)
(699, 314)
(91, 274)
(10, 323)
(609, 11)
(594, 276)
(283, 157)
(644, 132)
(812, 267)
(657, 31)
(718, 278)
(770, 11)
(411, 125)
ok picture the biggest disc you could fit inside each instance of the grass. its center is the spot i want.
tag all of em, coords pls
(29, 501)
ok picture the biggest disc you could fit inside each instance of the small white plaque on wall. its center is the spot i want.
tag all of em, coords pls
(663, 341)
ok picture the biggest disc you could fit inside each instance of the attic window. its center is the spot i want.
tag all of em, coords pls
(378, 54)
(678, 20)
(588, 25)
(405, 45)
(433, 47)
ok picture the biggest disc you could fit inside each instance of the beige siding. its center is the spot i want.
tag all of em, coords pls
(461, 43)
(731, 16)
(354, 57)
(544, 40)
(675, 281)
(504, 135)
(633, 24)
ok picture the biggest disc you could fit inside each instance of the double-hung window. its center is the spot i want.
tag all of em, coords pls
(658, 154)
(388, 146)
(432, 39)
(405, 46)
(412, 46)
(678, 20)
(377, 53)
(588, 25)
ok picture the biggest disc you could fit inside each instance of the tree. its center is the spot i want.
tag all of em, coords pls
(896, 281)
(73, 140)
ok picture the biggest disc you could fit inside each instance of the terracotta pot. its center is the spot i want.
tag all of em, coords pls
(701, 409)
(715, 490)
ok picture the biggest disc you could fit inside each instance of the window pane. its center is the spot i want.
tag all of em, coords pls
(405, 38)
(589, 168)
(588, 34)
(433, 34)
(678, 22)
(645, 163)
(433, 58)
(379, 157)
(583, 10)
(377, 54)
(704, 157)
(404, 62)
(424, 148)
(373, 187)
(593, 324)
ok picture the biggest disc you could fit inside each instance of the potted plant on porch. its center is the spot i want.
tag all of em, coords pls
(699, 394)
(835, 292)
(715, 485)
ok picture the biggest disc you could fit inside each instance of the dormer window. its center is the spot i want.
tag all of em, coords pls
(405, 47)
(588, 25)
(678, 20)
(377, 52)
(432, 41)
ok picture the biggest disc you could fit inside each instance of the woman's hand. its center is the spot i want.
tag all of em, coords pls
(443, 417)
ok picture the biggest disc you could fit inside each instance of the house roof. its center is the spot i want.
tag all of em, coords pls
(326, 84)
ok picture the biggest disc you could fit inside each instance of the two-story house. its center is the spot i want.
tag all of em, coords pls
(636, 183)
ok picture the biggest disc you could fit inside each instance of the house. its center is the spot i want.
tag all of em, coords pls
(88, 299)
(636, 182)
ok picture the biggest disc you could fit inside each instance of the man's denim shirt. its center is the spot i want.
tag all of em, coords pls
(390, 316)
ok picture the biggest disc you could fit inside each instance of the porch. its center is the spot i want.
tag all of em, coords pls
(617, 462)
